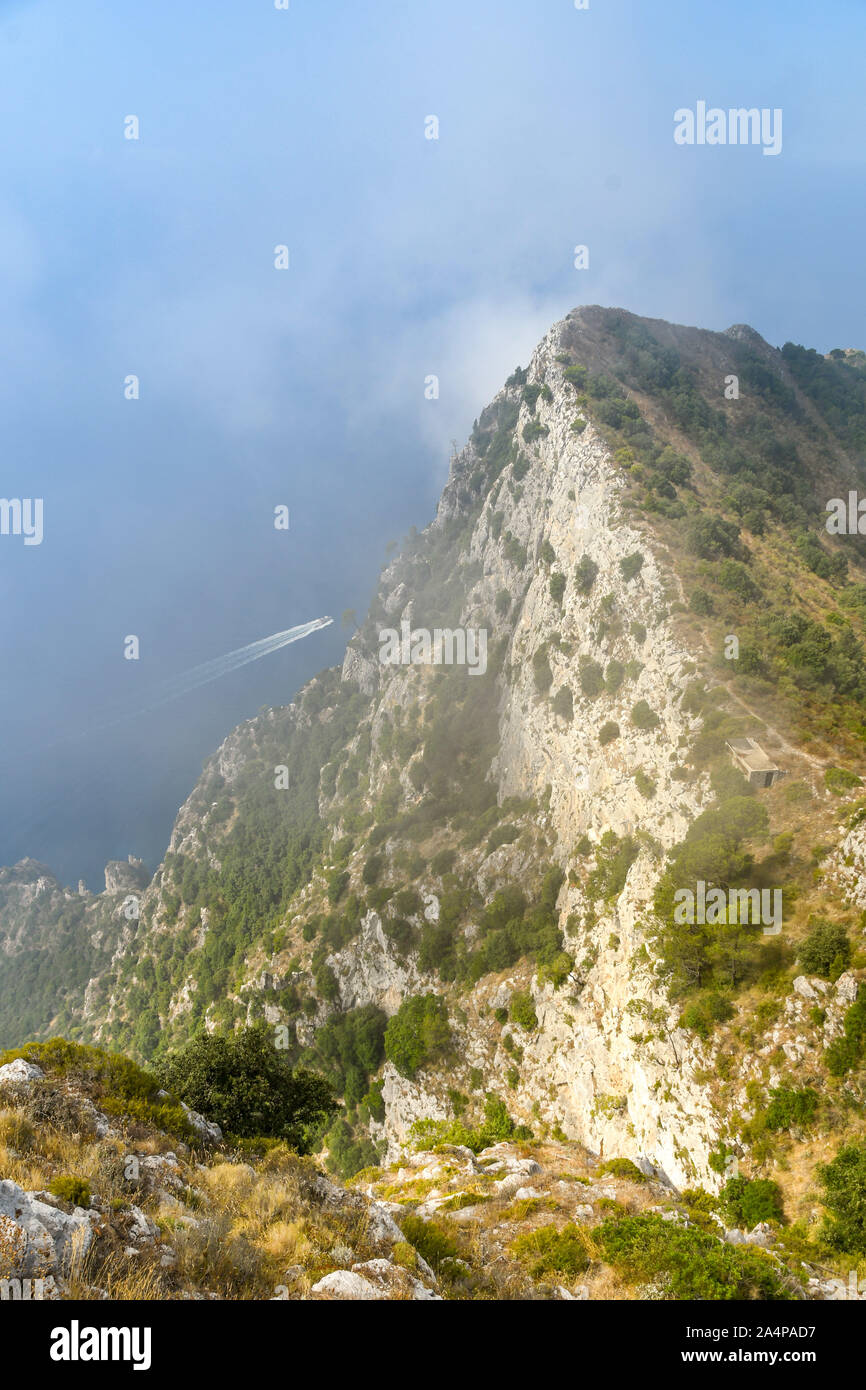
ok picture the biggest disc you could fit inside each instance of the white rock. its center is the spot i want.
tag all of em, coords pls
(40, 1238)
(810, 987)
(205, 1129)
(343, 1283)
(20, 1073)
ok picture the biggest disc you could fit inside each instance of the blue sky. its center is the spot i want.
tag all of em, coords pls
(305, 387)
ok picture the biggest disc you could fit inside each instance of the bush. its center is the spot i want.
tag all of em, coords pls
(748, 1201)
(497, 1126)
(847, 1051)
(712, 538)
(789, 1107)
(548, 1250)
(631, 565)
(541, 671)
(839, 781)
(614, 676)
(701, 603)
(557, 587)
(607, 733)
(502, 835)
(522, 1010)
(417, 1033)
(373, 867)
(586, 573)
(826, 951)
(563, 704)
(687, 1263)
(70, 1189)
(433, 1243)
(443, 862)
(591, 677)
(622, 1168)
(844, 1183)
(645, 785)
(643, 717)
(243, 1083)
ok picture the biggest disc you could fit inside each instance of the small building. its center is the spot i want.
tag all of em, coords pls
(753, 762)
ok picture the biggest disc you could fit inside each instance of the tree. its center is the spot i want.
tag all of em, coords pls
(417, 1032)
(826, 950)
(585, 574)
(844, 1183)
(242, 1082)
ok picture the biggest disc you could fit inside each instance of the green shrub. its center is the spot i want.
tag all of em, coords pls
(643, 717)
(826, 951)
(417, 1033)
(622, 1168)
(608, 732)
(790, 1107)
(502, 835)
(496, 1126)
(443, 862)
(541, 671)
(839, 781)
(563, 704)
(701, 602)
(631, 565)
(844, 1183)
(373, 867)
(557, 588)
(748, 1201)
(432, 1241)
(521, 1010)
(586, 573)
(614, 676)
(591, 677)
(70, 1189)
(645, 785)
(687, 1264)
(548, 1250)
(241, 1081)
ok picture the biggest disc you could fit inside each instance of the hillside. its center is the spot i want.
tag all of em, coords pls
(467, 890)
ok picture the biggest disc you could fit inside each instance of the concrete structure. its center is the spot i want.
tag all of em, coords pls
(753, 762)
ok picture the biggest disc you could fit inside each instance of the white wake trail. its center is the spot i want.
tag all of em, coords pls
(208, 671)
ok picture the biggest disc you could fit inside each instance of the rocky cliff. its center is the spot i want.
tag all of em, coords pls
(636, 526)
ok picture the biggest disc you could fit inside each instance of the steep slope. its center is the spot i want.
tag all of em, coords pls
(53, 942)
(467, 885)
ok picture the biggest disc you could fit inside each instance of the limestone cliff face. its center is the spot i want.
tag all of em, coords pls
(581, 1068)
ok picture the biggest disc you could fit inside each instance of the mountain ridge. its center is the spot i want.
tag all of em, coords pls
(604, 489)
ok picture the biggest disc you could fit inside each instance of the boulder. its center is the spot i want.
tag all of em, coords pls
(343, 1283)
(37, 1239)
(20, 1073)
(207, 1130)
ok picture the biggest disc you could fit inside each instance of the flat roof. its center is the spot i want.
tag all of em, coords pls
(752, 754)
